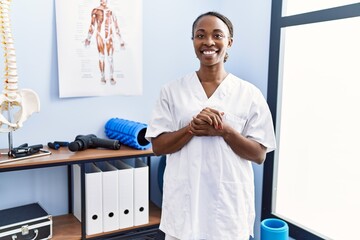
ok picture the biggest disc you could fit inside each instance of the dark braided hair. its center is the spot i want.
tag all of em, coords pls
(222, 18)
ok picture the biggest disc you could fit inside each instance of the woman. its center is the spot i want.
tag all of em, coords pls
(212, 125)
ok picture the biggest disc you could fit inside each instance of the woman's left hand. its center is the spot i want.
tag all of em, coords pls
(207, 123)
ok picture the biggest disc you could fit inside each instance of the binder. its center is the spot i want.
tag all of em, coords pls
(141, 190)
(125, 197)
(93, 199)
(110, 207)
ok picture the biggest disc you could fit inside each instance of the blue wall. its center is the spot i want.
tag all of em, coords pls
(168, 54)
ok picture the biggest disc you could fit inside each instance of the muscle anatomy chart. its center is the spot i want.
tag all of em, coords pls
(99, 47)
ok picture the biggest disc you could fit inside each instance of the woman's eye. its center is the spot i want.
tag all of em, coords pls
(199, 36)
(219, 36)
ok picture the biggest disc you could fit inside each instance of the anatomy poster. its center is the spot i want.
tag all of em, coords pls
(99, 47)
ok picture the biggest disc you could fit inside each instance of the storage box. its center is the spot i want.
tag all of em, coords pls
(30, 222)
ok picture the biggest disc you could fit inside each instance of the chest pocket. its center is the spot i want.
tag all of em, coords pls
(235, 121)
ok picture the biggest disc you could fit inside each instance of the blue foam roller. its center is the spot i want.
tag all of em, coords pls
(128, 132)
(274, 229)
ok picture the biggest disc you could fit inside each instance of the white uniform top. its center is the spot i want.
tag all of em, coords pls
(208, 189)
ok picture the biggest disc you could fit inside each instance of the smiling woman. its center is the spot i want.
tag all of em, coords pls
(210, 141)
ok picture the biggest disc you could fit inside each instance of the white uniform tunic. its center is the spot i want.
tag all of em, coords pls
(208, 189)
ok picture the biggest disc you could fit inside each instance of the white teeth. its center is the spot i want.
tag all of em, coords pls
(209, 52)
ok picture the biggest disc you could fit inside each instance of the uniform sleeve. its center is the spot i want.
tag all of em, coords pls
(259, 126)
(161, 120)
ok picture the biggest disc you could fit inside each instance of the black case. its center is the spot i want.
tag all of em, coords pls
(28, 222)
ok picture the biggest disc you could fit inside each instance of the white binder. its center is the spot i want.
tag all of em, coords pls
(126, 199)
(109, 196)
(141, 191)
(93, 199)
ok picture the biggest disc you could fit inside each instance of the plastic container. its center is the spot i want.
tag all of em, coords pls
(128, 132)
(274, 229)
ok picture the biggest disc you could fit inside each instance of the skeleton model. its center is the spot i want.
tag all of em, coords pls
(17, 105)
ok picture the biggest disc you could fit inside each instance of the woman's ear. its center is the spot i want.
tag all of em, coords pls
(230, 42)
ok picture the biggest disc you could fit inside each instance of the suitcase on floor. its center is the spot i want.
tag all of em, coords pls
(27, 222)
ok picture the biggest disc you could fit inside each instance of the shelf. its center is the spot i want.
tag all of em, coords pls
(68, 227)
(64, 156)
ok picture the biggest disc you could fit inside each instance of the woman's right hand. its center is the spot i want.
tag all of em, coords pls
(207, 122)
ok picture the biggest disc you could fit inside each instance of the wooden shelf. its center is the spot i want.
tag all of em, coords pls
(64, 156)
(68, 227)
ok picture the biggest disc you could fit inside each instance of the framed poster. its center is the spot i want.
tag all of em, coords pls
(99, 45)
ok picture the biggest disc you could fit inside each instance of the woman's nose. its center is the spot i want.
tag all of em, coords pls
(209, 41)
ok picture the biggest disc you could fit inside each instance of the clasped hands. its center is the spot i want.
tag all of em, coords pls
(208, 122)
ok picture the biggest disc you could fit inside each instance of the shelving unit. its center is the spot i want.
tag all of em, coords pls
(67, 226)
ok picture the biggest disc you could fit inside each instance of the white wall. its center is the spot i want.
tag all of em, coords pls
(168, 54)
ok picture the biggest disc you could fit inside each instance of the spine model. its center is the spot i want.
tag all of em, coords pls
(19, 104)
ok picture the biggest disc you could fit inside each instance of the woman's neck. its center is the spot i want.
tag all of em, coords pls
(211, 75)
(211, 80)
